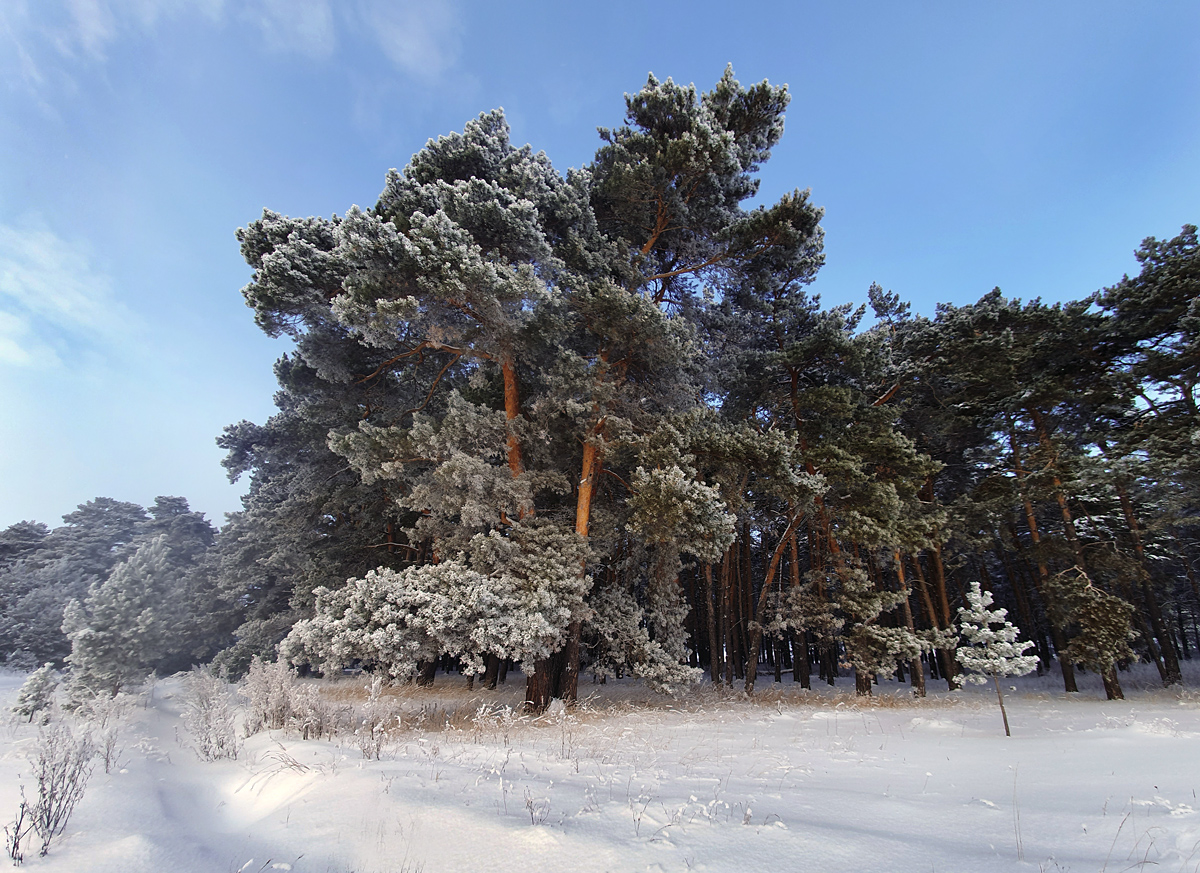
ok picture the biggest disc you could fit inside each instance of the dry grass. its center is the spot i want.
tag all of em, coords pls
(449, 705)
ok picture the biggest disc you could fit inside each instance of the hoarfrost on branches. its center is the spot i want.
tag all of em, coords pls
(991, 646)
(508, 595)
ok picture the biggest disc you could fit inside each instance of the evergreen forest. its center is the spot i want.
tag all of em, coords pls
(595, 423)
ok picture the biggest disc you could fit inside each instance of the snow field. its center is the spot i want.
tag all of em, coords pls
(630, 781)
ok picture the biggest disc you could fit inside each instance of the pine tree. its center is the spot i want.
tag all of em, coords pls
(991, 645)
(37, 693)
(1102, 623)
(125, 625)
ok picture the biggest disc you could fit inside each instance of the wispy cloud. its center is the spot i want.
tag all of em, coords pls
(53, 302)
(420, 38)
(303, 26)
(41, 42)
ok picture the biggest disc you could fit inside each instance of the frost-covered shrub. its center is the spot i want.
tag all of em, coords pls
(208, 716)
(277, 700)
(105, 715)
(374, 720)
(1104, 624)
(268, 690)
(511, 595)
(870, 648)
(37, 693)
(62, 764)
(312, 716)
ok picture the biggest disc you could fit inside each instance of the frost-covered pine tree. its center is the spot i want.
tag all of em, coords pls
(38, 691)
(124, 626)
(991, 647)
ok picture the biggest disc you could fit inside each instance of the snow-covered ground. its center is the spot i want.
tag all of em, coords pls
(629, 781)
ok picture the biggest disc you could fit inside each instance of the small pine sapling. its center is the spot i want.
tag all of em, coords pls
(37, 693)
(991, 645)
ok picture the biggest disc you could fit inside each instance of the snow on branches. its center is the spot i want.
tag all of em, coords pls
(511, 596)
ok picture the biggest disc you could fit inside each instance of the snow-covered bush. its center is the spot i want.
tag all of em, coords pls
(37, 693)
(276, 700)
(268, 690)
(314, 717)
(871, 648)
(374, 720)
(1104, 624)
(208, 715)
(991, 645)
(105, 715)
(511, 595)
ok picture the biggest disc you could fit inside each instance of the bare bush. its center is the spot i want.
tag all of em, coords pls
(62, 763)
(17, 830)
(105, 715)
(208, 716)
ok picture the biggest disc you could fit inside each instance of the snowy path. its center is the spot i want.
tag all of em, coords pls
(1083, 785)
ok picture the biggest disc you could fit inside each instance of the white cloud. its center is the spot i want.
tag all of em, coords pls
(42, 43)
(421, 38)
(18, 346)
(94, 25)
(304, 26)
(52, 299)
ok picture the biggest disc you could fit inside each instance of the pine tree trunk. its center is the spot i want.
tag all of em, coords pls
(1060, 646)
(953, 677)
(760, 613)
(512, 409)
(1169, 669)
(915, 668)
(862, 683)
(726, 624)
(801, 669)
(714, 657)
(539, 690)
(492, 672)
(566, 681)
(568, 684)
(945, 656)
(1003, 711)
(1112, 685)
(734, 599)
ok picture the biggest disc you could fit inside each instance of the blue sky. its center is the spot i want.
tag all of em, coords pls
(955, 147)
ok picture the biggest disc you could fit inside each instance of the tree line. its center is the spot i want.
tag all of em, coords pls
(595, 420)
